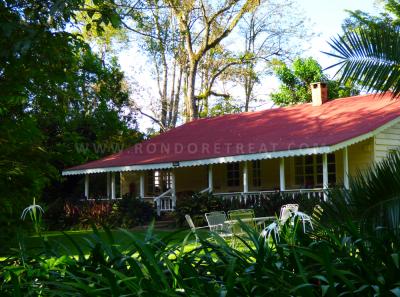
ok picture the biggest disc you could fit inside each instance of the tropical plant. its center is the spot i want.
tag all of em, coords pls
(369, 56)
(35, 212)
(368, 51)
(354, 250)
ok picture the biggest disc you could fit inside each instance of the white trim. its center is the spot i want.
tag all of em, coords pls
(210, 178)
(282, 185)
(87, 186)
(245, 177)
(346, 168)
(240, 158)
(325, 180)
(141, 182)
(113, 185)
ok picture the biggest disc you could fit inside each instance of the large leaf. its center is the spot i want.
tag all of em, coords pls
(369, 55)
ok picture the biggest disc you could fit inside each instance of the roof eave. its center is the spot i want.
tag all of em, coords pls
(238, 158)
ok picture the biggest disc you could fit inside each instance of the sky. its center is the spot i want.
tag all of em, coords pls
(325, 18)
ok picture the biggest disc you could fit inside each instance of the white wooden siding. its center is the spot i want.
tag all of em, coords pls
(387, 140)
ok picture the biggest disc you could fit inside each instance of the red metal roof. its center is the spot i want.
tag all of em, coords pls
(271, 130)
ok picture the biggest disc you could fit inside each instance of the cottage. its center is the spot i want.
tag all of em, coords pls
(303, 148)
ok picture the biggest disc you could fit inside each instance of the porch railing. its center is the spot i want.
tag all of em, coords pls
(252, 199)
(165, 202)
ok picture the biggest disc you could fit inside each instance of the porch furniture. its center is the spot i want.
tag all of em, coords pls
(286, 212)
(259, 222)
(216, 221)
(193, 228)
(240, 215)
(317, 213)
(304, 218)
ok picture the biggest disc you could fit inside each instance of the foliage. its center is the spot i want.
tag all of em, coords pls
(267, 36)
(35, 212)
(56, 97)
(132, 211)
(354, 249)
(125, 213)
(296, 82)
(367, 52)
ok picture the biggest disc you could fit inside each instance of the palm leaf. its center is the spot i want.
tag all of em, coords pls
(369, 56)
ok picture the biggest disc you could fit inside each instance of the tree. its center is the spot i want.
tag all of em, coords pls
(296, 82)
(368, 52)
(162, 44)
(267, 36)
(55, 94)
(203, 25)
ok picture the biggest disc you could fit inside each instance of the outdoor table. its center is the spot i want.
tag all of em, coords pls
(259, 220)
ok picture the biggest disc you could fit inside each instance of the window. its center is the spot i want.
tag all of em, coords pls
(308, 171)
(233, 174)
(256, 173)
(158, 181)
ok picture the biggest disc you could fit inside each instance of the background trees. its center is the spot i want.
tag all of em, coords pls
(296, 80)
(56, 95)
(231, 44)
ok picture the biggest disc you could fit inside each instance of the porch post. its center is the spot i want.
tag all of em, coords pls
(282, 174)
(245, 177)
(87, 186)
(141, 185)
(346, 168)
(108, 185)
(210, 178)
(173, 188)
(113, 185)
(325, 181)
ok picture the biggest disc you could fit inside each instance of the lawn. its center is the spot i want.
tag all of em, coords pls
(69, 242)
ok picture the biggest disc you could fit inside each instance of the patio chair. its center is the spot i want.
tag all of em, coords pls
(317, 213)
(241, 214)
(287, 211)
(193, 228)
(216, 223)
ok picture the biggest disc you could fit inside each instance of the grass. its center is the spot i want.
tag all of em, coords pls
(65, 241)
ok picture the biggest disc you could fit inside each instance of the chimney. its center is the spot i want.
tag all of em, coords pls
(319, 93)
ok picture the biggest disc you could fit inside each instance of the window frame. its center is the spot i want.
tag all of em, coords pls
(233, 175)
(308, 171)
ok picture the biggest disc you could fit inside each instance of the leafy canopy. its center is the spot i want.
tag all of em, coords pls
(296, 80)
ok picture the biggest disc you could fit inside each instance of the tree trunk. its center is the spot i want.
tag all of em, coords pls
(192, 106)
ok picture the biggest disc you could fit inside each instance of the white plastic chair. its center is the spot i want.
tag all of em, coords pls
(216, 223)
(287, 211)
(193, 228)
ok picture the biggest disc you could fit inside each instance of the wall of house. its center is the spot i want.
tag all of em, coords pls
(386, 141)
(361, 156)
(188, 179)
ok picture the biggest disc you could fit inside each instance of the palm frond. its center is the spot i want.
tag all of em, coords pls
(369, 56)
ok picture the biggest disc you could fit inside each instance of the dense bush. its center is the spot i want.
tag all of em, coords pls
(126, 213)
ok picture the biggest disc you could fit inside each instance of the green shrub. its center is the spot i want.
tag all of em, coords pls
(126, 213)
